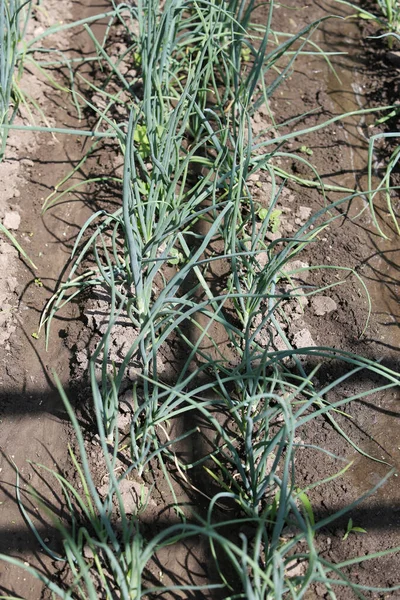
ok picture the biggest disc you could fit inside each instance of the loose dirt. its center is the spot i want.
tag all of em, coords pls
(33, 425)
(340, 155)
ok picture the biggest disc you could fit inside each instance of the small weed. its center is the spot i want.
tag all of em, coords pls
(245, 53)
(306, 150)
(137, 59)
(352, 529)
(142, 140)
(274, 218)
(177, 257)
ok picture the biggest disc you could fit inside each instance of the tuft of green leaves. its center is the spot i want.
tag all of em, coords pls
(352, 529)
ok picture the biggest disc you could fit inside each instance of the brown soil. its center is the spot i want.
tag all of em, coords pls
(340, 156)
(32, 416)
(33, 425)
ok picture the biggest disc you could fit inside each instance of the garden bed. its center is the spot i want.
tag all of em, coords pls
(167, 439)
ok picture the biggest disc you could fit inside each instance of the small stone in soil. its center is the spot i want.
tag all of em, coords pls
(323, 305)
(124, 421)
(303, 339)
(12, 220)
(132, 495)
(88, 552)
(304, 212)
(294, 265)
(272, 237)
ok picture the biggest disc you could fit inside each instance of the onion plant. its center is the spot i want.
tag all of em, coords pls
(254, 468)
(14, 17)
(385, 184)
(386, 16)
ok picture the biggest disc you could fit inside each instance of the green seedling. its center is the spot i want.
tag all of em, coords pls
(137, 59)
(177, 257)
(352, 529)
(16, 244)
(144, 187)
(142, 141)
(307, 506)
(274, 218)
(38, 282)
(306, 150)
(245, 53)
